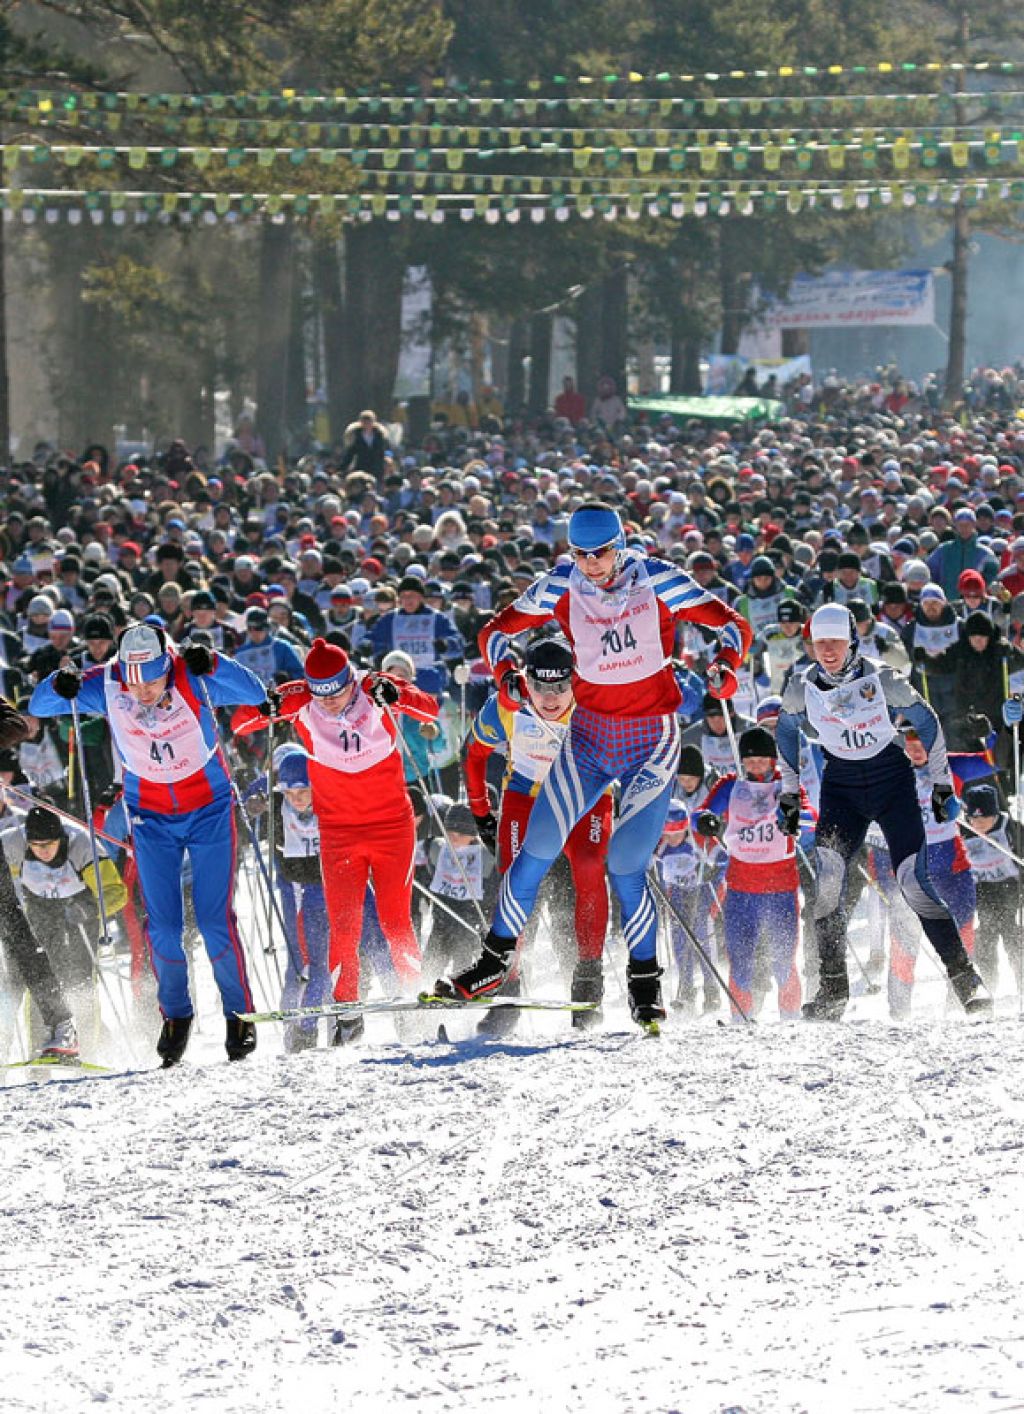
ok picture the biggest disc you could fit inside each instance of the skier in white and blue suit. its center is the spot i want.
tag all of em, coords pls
(852, 705)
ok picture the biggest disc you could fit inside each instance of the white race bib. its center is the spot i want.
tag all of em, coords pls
(40, 760)
(301, 832)
(46, 882)
(617, 636)
(534, 744)
(678, 867)
(414, 634)
(852, 720)
(990, 866)
(353, 741)
(259, 659)
(162, 744)
(752, 834)
(935, 638)
(448, 881)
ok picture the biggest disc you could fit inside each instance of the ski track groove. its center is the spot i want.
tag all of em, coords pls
(808, 1218)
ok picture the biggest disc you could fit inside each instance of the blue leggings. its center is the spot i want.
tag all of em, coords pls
(305, 917)
(161, 842)
(639, 753)
(768, 920)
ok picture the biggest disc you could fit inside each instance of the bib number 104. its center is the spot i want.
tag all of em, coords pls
(856, 741)
(612, 641)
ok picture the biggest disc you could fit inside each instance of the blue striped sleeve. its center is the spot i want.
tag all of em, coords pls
(545, 593)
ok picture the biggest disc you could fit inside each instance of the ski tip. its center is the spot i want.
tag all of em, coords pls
(650, 1028)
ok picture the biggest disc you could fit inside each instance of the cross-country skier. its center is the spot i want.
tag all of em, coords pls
(619, 610)
(28, 962)
(179, 798)
(995, 878)
(761, 876)
(852, 705)
(345, 719)
(531, 731)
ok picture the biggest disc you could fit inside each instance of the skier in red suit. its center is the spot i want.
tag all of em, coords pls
(343, 717)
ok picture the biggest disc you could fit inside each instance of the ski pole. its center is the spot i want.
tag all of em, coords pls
(1015, 741)
(427, 796)
(698, 949)
(731, 733)
(83, 776)
(271, 825)
(30, 800)
(293, 952)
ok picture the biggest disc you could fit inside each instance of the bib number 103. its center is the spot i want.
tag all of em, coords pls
(856, 741)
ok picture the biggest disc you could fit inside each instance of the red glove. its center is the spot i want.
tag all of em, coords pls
(722, 680)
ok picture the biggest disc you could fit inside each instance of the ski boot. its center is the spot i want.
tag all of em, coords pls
(173, 1040)
(643, 982)
(485, 976)
(830, 1001)
(966, 984)
(240, 1040)
(62, 1042)
(348, 1029)
(587, 986)
(501, 1021)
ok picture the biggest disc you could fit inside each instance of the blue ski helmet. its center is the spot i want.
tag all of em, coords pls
(594, 526)
(293, 769)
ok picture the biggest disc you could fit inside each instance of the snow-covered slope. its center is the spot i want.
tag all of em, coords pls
(797, 1218)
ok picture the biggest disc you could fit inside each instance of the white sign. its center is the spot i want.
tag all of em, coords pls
(841, 297)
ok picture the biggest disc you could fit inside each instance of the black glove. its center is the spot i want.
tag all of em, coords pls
(487, 829)
(945, 806)
(979, 724)
(272, 706)
(198, 659)
(383, 691)
(67, 683)
(709, 824)
(788, 813)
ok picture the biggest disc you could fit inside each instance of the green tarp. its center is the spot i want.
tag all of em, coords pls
(716, 410)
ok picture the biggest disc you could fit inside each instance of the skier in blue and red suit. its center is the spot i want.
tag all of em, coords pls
(179, 799)
(619, 609)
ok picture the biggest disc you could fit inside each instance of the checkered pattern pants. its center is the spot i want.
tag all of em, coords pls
(641, 754)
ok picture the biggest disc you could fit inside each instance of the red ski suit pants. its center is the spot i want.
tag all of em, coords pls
(350, 856)
(586, 849)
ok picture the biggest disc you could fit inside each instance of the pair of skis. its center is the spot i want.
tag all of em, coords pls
(426, 1001)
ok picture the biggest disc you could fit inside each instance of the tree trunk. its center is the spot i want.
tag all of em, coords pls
(5, 384)
(684, 377)
(372, 333)
(615, 326)
(540, 364)
(956, 363)
(516, 399)
(296, 407)
(733, 288)
(327, 283)
(588, 340)
(275, 331)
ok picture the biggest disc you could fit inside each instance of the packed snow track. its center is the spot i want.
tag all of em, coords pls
(793, 1218)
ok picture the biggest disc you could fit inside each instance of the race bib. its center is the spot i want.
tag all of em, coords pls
(162, 744)
(851, 721)
(679, 867)
(990, 865)
(301, 832)
(451, 881)
(259, 660)
(752, 834)
(935, 638)
(353, 741)
(534, 744)
(617, 636)
(40, 760)
(414, 634)
(45, 882)
(717, 752)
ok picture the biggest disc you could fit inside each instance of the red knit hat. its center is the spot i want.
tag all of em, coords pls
(327, 668)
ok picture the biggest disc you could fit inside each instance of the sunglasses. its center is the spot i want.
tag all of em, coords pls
(591, 554)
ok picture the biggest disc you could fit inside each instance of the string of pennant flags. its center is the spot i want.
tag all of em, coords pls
(690, 199)
(194, 113)
(771, 151)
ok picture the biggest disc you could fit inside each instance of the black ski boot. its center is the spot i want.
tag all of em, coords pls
(830, 1001)
(501, 1021)
(348, 1029)
(966, 984)
(173, 1040)
(643, 981)
(240, 1040)
(587, 986)
(485, 976)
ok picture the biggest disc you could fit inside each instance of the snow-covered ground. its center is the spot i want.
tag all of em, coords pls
(792, 1218)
